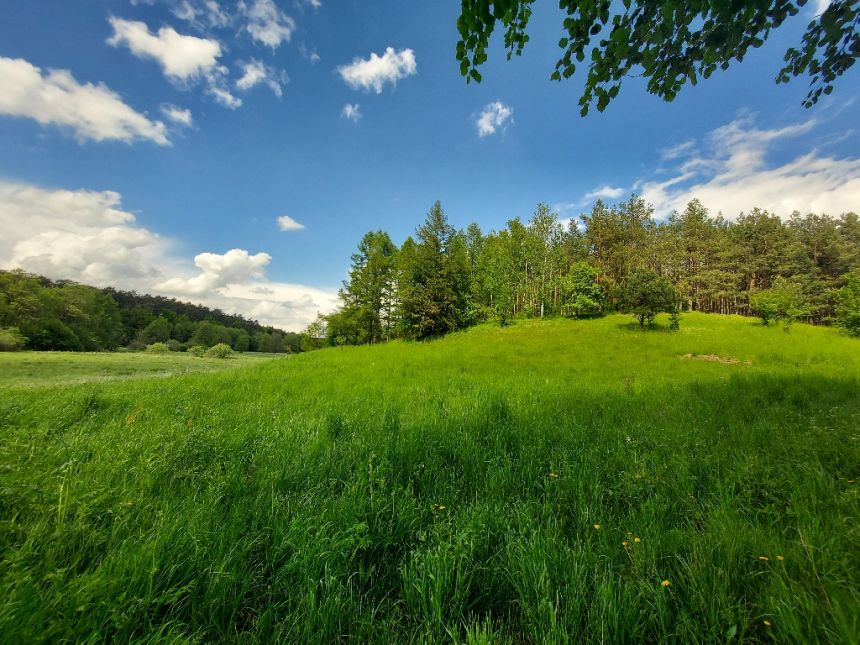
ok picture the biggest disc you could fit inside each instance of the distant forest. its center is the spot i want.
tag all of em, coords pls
(43, 314)
(614, 258)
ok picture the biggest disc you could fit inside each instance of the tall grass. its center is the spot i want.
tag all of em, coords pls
(537, 483)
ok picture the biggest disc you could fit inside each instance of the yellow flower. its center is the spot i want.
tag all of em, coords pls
(766, 623)
(764, 558)
(597, 526)
(780, 558)
(553, 475)
(625, 544)
(666, 583)
(637, 540)
(438, 507)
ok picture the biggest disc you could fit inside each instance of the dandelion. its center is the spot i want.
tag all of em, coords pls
(764, 558)
(597, 527)
(766, 623)
(637, 540)
(625, 544)
(553, 475)
(780, 558)
(666, 583)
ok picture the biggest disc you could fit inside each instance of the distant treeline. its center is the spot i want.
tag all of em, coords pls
(443, 279)
(39, 313)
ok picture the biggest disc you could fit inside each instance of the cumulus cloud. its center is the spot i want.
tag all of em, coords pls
(287, 223)
(731, 174)
(216, 271)
(223, 96)
(267, 24)
(202, 14)
(255, 72)
(374, 72)
(604, 192)
(55, 98)
(177, 114)
(493, 117)
(351, 111)
(182, 57)
(88, 236)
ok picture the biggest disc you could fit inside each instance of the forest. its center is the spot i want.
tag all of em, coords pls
(613, 258)
(42, 314)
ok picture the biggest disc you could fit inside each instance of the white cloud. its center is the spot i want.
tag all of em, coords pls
(316, 4)
(374, 72)
(255, 72)
(87, 236)
(266, 23)
(217, 271)
(821, 6)
(678, 150)
(287, 223)
(55, 98)
(604, 192)
(351, 111)
(731, 175)
(202, 14)
(493, 117)
(223, 96)
(177, 114)
(183, 58)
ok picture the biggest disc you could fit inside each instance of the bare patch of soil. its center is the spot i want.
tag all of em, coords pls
(713, 358)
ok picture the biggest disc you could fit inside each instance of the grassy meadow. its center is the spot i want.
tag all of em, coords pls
(554, 481)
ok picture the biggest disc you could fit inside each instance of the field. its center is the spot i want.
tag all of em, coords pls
(554, 481)
(42, 369)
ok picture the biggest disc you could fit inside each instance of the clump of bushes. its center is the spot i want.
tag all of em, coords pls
(848, 306)
(221, 350)
(784, 301)
(197, 350)
(11, 340)
(158, 348)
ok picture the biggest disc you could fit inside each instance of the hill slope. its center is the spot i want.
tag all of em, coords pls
(536, 483)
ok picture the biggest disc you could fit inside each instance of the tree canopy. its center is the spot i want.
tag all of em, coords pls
(669, 42)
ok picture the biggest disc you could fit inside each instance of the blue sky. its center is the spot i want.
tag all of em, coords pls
(127, 159)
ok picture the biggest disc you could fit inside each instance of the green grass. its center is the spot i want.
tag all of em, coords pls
(448, 492)
(41, 369)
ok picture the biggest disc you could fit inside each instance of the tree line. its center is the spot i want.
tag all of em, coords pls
(42, 314)
(613, 258)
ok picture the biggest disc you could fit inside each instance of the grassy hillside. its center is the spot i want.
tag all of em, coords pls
(550, 482)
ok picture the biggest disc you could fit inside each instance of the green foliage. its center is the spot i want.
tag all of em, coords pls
(158, 348)
(582, 293)
(158, 331)
(675, 320)
(221, 350)
(848, 305)
(174, 345)
(670, 42)
(783, 301)
(441, 491)
(197, 350)
(11, 339)
(646, 294)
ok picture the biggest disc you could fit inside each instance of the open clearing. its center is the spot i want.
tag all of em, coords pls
(553, 481)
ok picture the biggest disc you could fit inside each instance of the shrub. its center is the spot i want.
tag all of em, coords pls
(11, 340)
(174, 345)
(221, 350)
(784, 301)
(197, 350)
(157, 348)
(646, 294)
(848, 306)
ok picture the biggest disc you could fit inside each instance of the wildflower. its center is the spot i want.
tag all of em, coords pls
(637, 540)
(780, 558)
(764, 558)
(597, 527)
(766, 623)
(438, 507)
(625, 544)
(666, 583)
(553, 475)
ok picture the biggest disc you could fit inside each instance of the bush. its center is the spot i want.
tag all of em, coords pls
(197, 350)
(221, 350)
(11, 340)
(848, 306)
(157, 348)
(646, 294)
(174, 345)
(784, 301)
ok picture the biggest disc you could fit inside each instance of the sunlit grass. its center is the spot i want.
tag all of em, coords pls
(554, 481)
